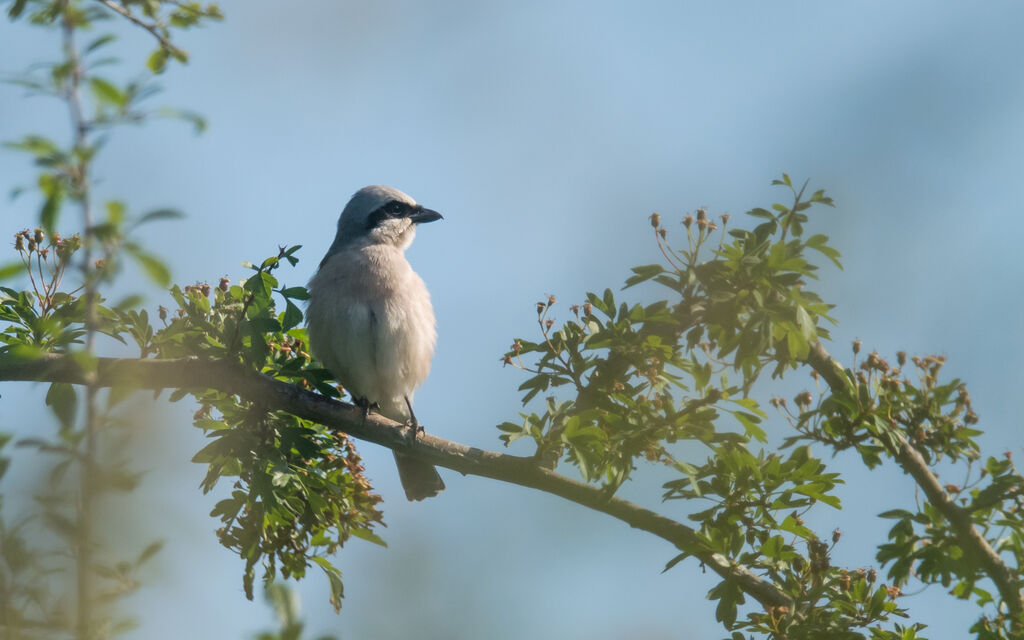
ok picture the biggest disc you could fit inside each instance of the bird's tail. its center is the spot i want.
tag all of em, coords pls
(419, 479)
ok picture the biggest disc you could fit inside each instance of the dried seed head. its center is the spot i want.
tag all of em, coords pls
(31, 245)
(38, 236)
(551, 299)
(687, 221)
(205, 289)
(836, 534)
(872, 575)
(663, 233)
(803, 399)
(541, 307)
(856, 347)
(162, 312)
(655, 220)
(517, 347)
(19, 242)
(224, 284)
(548, 323)
(901, 357)
(507, 359)
(702, 214)
(575, 310)
(725, 219)
(588, 309)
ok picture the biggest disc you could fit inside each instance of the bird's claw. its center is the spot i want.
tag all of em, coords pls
(365, 405)
(415, 429)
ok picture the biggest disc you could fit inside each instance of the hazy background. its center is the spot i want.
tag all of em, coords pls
(547, 133)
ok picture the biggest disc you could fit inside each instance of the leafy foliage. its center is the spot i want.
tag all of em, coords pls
(643, 378)
(299, 491)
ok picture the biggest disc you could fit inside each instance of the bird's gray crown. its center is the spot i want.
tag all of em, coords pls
(379, 214)
(369, 199)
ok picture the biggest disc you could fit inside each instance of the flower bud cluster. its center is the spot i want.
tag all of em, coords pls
(201, 288)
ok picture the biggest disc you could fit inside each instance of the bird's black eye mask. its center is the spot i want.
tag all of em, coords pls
(392, 209)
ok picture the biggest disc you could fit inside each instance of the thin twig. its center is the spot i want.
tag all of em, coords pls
(166, 44)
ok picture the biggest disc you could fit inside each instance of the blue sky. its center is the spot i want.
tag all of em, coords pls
(547, 133)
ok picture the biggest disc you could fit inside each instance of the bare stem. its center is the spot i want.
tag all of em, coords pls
(84, 506)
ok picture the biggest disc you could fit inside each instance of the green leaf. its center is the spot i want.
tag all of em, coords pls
(292, 317)
(154, 267)
(115, 211)
(296, 293)
(99, 42)
(106, 92)
(159, 214)
(806, 324)
(16, 9)
(149, 552)
(791, 525)
(643, 273)
(750, 425)
(334, 575)
(798, 346)
(676, 560)
(61, 399)
(51, 209)
(197, 121)
(11, 269)
(157, 61)
(369, 536)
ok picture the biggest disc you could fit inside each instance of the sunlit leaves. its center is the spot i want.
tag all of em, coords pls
(299, 492)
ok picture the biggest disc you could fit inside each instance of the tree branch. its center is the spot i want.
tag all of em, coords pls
(913, 463)
(152, 28)
(193, 373)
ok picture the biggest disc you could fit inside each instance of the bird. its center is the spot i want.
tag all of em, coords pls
(369, 318)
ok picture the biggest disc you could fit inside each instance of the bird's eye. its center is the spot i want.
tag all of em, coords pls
(394, 207)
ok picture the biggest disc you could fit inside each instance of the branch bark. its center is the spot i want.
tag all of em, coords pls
(275, 395)
(913, 463)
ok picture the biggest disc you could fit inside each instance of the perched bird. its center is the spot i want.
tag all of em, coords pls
(369, 318)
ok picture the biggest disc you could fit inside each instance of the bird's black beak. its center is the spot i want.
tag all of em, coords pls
(421, 215)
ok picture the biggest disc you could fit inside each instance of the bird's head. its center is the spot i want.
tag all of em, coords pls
(381, 215)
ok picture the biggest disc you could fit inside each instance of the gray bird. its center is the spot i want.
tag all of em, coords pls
(369, 317)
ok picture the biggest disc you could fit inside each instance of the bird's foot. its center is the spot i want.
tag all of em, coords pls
(414, 426)
(365, 405)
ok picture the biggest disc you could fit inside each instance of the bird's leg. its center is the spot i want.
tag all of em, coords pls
(413, 422)
(365, 405)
